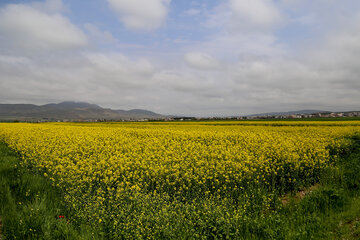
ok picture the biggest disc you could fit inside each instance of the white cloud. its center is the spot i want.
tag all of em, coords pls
(141, 14)
(231, 47)
(13, 60)
(256, 72)
(99, 36)
(243, 29)
(25, 27)
(254, 14)
(120, 64)
(50, 6)
(193, 11)
(246, 16)
(309, 19)
(179, 81)
(201, 60)
(93, 77)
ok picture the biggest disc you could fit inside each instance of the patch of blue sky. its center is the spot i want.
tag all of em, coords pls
(184, 24)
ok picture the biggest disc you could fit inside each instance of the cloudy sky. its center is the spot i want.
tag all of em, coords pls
(201, 57)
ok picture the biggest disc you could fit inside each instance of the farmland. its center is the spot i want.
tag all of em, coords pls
(181, 180)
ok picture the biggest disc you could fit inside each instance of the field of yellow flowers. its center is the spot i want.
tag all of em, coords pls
(98, 166)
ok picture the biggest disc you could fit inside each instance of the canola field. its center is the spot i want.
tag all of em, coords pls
(119, 174)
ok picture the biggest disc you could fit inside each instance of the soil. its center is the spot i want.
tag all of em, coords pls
(300, 194)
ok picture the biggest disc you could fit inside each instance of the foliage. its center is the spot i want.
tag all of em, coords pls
(194, 180)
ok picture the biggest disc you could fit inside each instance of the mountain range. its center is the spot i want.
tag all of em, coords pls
(81, 111)
(70, 111)
(287, 113)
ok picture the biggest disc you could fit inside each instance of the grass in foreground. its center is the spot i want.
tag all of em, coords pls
(30, 206)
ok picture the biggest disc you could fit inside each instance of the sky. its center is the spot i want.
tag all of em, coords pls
(198, 58)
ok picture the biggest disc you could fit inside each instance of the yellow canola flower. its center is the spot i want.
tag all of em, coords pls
(97, 164)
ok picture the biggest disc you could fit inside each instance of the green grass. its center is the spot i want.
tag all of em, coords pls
(30, 205)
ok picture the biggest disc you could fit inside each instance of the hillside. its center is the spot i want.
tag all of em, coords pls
(287, 113)
(70, 111)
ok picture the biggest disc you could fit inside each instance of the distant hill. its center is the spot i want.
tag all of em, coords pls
(71, 105)
(140, 113)
(287, 113)
(70, 111)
